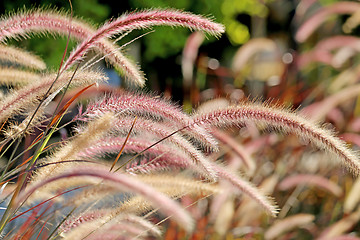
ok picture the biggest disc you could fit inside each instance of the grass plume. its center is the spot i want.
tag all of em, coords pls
(282, 120)
(20, 57)
(25, 97)
(167, 162)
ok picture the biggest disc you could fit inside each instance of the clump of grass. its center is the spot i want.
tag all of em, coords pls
(162, 160)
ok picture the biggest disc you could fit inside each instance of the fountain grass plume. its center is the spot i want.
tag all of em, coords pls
(94, 131)
(17, 77)
(123, 225)
(166, 182)
(285, 121)
(240, 184)
(21, 57)
(15, 129)
(141, 20)
(18, 100)
(149, 107)
(179, 159)
(162, 155)
(170, 185)
(248, 189)
(24, 24)
(163, 131)
(122, 182)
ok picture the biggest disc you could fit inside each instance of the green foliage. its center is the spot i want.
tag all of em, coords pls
(91, 9)
(157, 45)
(238, 32)
(327, 2)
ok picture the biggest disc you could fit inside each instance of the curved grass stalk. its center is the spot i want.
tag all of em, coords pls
(162, 131)
(141, 20)
(21, 57)
(166, 182)
(26, 23)
(159, 157)
(27, 96)
(13, 205)
(149, 107)
(170, 185)
(16, 77)
(93, 226)
(15, 130)
(94, 131)
(122, 182)
(39, 21)
(139, 205)
(244, 186)
(285, 121)
(248, 189)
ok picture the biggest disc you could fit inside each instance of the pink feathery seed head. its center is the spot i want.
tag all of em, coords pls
(141, 20)
(42, 21)
(150, 107)
(126, 102)
(285, 121)
(247, 188)
(76, 221)
(113, 145)
(162, 131)
(144, 128)
(26, 23)
(127, 228)
(21, 57)
(17, 100)
(122, 182)
(158, 158)
(169, 17)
